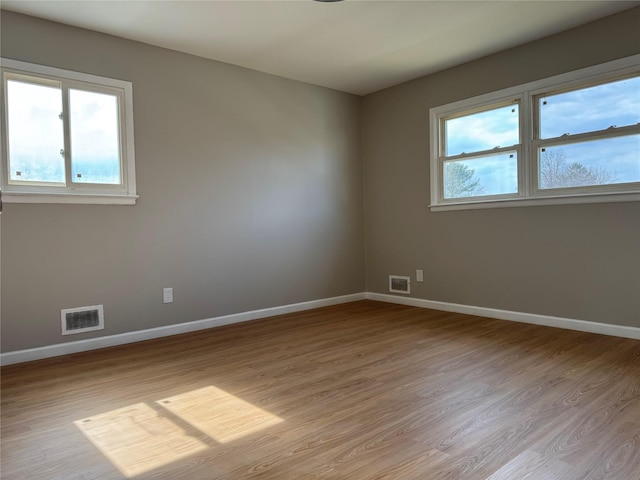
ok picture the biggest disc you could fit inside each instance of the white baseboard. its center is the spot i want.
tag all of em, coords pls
(547, 321)
(138, 336)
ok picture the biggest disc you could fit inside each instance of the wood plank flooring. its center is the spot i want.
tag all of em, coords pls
(365, 390)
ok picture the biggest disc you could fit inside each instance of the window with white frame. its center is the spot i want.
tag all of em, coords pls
(67, 136)
(567, 139)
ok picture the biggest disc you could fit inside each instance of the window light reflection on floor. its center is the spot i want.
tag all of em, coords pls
(140, 437)
(137, 438)
(222, 416)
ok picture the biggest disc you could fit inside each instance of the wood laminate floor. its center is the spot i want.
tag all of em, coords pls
(365, 390)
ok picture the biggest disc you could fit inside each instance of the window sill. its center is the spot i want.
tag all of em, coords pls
(65, 198)
(536, 202)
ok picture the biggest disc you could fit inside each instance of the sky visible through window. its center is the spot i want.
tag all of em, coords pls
(35, 132)
(605, 161)
(36, 140)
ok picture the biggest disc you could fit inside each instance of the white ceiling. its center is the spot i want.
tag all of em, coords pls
(357, 46)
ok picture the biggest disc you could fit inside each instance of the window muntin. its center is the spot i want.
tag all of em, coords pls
(76, 147)
(601, 136)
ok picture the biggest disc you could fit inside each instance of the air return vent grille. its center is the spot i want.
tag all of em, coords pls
(399, 284)
(82, 319)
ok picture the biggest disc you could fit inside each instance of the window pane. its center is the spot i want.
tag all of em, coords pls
(482, 131)
(598, 162)
(95, 145)
(486, 175)
(590, 109)
(35, 133)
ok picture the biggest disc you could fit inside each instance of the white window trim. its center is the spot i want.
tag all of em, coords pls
(527, 195)
(125, 194)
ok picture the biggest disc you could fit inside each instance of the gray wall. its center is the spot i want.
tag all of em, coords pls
(250, 196)
(577, 261)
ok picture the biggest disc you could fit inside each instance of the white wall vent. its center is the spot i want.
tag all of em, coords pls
(82, 319)
(399, 284)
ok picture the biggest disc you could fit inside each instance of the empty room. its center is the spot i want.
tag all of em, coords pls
(302, 239)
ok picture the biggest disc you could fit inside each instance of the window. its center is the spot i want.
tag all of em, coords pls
(481, 151)
(67, 136)
(567, 139)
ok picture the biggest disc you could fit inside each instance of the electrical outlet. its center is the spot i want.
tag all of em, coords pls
(167, 295)
(419, 276)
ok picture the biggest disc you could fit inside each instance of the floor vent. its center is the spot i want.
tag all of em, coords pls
(399, 284)
(82, 319)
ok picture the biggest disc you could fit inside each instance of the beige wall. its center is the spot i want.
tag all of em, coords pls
(578, 261)
(250, 196)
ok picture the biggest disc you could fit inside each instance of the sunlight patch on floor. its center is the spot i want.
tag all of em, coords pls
(140, 438)
(221, 415)
(137, 438)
